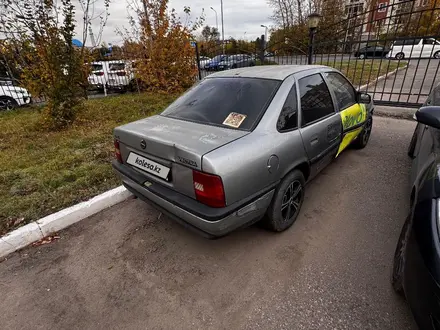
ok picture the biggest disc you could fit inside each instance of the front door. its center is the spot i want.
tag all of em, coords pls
(321, 126)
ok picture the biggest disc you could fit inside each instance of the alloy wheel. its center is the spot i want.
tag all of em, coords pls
(6, 105)
(291, 200)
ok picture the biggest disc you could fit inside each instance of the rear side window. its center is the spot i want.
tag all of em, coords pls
(229, 102)
(288, 119)
(316, 102)
(344, 91)
(406, 42)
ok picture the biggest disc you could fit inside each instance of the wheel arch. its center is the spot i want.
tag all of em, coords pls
(303, 166)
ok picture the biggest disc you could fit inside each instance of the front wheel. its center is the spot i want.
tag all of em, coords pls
(437, 54)
(364, 136)
(361, 56)
(400, 56)
(7, 103)
(286, 202)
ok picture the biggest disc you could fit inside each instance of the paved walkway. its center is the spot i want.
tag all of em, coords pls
(417, 79)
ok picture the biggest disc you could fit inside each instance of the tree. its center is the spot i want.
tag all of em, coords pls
(160, 44)
(41, 33)
(210, 33)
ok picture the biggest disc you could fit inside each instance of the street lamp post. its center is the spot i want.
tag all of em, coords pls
(313, 21)
(216, 18)
(265, 36)
(223, 27)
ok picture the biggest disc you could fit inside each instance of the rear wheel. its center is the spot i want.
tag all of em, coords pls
(7, 103)
(400, 56)
(399, 259)
(361, 56)
(286, 203)
(364, 136)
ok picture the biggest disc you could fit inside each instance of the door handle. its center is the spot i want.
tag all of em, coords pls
(314, 141)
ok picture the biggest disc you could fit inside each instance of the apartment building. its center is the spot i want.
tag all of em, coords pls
(370, 18)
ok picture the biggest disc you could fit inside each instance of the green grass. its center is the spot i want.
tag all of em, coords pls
(42, 172)
(360, 72)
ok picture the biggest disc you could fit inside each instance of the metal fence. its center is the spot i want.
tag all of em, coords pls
(390, 51)
(105, 78)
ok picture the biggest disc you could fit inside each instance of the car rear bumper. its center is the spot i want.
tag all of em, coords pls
(243, 215)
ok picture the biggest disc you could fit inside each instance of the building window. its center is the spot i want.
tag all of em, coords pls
(382, 8)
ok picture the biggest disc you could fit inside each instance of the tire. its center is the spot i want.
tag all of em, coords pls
(363, 138)
(400, 56)
(362, 56)
(437, 54)
(7, 103)
(288, 198)
(399, 259)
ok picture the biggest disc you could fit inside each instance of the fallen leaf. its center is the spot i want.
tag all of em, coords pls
(46, 240)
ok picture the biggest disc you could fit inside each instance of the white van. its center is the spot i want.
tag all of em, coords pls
(414, 47)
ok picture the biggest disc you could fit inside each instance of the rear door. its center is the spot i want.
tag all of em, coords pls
(352, 114)
(428, 47)
(413, 47)
(320, 124)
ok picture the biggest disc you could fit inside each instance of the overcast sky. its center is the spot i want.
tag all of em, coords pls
(239, 17)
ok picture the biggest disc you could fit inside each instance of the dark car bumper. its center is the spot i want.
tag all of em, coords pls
(211, 222)
(422, 265)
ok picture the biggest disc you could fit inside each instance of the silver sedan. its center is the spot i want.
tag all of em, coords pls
(239, 147)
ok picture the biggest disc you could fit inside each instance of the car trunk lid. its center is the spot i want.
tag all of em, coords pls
(174, 140)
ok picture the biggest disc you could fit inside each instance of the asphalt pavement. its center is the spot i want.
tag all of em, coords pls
(130, 268)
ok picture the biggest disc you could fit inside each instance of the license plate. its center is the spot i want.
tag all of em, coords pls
(148, 165)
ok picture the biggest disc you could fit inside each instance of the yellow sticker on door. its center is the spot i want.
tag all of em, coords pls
(351, 118)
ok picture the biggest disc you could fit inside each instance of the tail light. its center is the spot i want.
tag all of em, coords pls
(209, 189)
(99, 73)
(120, 73)
(118, 155)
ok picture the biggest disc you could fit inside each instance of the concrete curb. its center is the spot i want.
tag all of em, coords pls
(43, 227)
(385, 76)
(394, 112)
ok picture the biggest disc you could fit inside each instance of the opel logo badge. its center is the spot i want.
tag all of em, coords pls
(143, 144)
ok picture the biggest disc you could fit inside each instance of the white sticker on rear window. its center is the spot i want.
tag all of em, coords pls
(234, 119)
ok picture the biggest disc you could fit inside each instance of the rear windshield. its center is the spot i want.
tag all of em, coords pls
(229, 102)
(117, 66)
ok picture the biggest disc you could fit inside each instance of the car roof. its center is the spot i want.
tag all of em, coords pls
(277, 72)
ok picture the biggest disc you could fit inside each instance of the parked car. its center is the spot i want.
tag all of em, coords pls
(240, 146)
(204, 60)
(214, 63)
(120, 74)
(236, 61)
(98, 76)
(416, 269)
(12, 96)
(415, 47)
(371, 51)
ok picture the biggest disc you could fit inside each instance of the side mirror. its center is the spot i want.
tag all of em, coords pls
(364, 98)
(429, 115)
